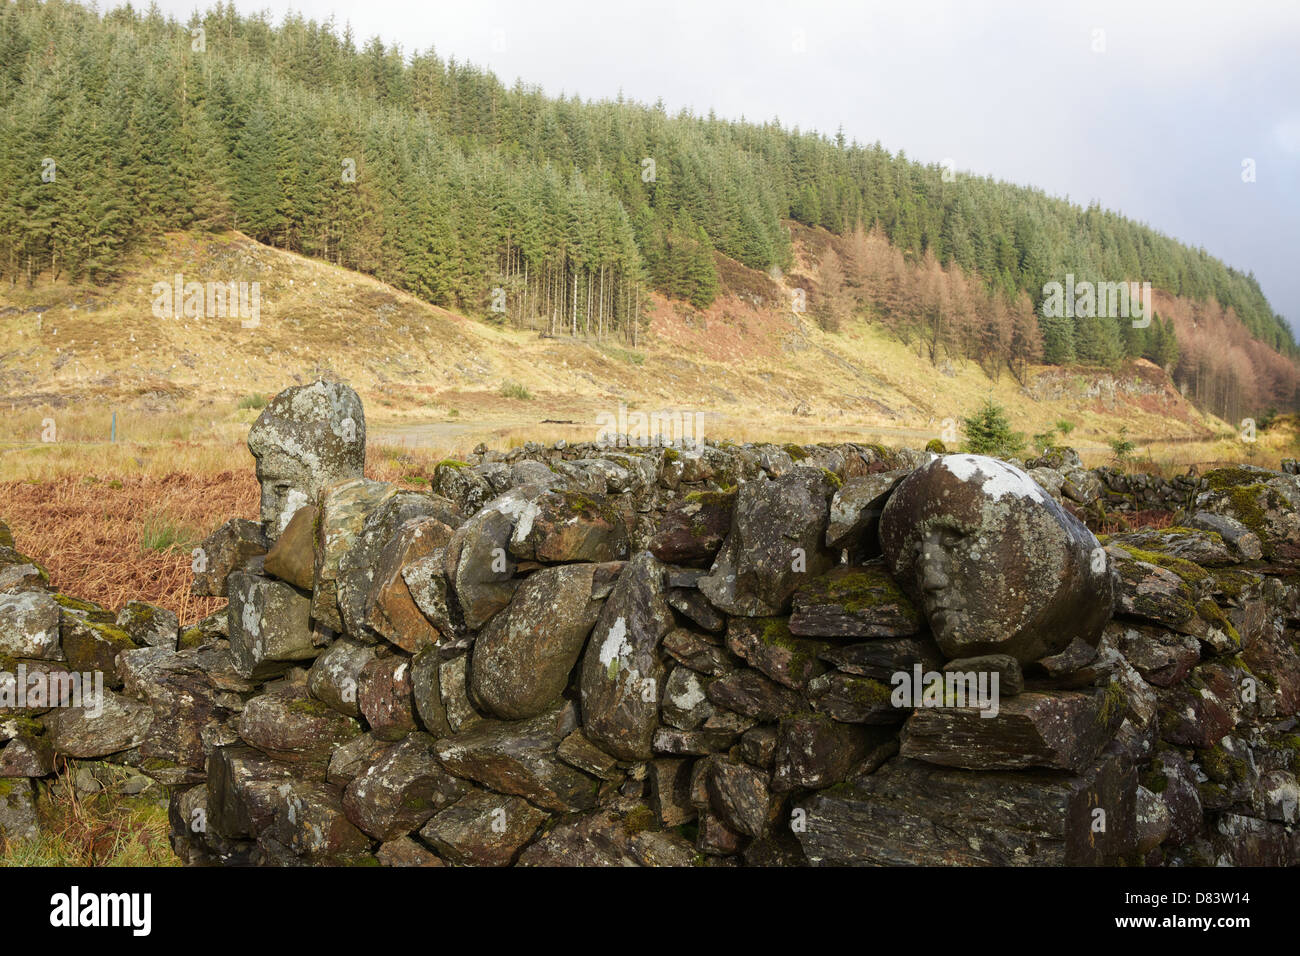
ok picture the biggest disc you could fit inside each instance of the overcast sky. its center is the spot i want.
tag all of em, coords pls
(1149, 107)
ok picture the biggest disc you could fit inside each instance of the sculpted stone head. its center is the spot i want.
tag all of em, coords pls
(993, 562)
(307, 437)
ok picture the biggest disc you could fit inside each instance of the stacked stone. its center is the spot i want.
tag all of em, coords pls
(594, 655)
(63, 695)
(1171, 741)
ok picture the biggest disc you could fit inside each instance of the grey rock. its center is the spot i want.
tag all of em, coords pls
(1243, 542)
(775, 544)
(149, 625)
(291, 726)
(519, 758)
(910, 813)
(335, 677)
(385, 696)
(622, 671)
(270, 626)
(119, 724)
(29, 625)
(342, 512)
(18, 822)
(1057, 730)
(482, 829)
(522, 659)
(232, 547)
(996, 565)
(307, 437)
(855, 512)
(860, 602)
(401, 790)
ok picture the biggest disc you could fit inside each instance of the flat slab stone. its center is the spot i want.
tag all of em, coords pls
(1058, 730)
(910, 813)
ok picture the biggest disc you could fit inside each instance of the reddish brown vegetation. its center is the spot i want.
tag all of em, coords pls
(1220, 367)
(943, 312)
(112, 541)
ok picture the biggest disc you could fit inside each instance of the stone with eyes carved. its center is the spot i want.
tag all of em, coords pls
(307, 437)
(995, 564)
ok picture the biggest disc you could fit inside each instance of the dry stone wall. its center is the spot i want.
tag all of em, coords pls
(715, 654)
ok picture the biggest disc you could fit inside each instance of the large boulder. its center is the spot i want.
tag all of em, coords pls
(522, 660)
(565, 526)
(623, 670)
(1061, 730)
(693, 529)
(483, 829)
(342, 512)
(107, 725)
(235, 546)
(910, 813)
(29, 625)
(995, 564)
(401, 790)
(270, 626)
(776, 542)
(479, 566)
(389, 608)
(1265, 502)
(519, 757)
(306, 438)
(373, 599)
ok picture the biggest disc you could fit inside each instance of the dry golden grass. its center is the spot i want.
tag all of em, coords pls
(105, 828)
(112, 540)
(117, 522)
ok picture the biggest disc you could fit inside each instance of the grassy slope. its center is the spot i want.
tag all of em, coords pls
(430, 376)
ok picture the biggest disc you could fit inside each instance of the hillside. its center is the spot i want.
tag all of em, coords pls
(433, 377)
(435, 178)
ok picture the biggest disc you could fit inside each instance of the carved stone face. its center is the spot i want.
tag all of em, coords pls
(307, 437)
(993, 562)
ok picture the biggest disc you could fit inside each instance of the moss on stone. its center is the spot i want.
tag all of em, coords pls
(868, 692)
(836, 481)
(857, 590)
(1114, 702)
(936, 446)
(111, 633)
(451, 463)
(796, 452)
(24, 726)
(589, 508)
(1213, 614)
(638, 820)
(1221, 767)
(310, 707)
(1221, 479)
(712, 499)
(1246, 506)
(1232, 583)
(1155, 780)
(75, 604)
(1191, 573)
